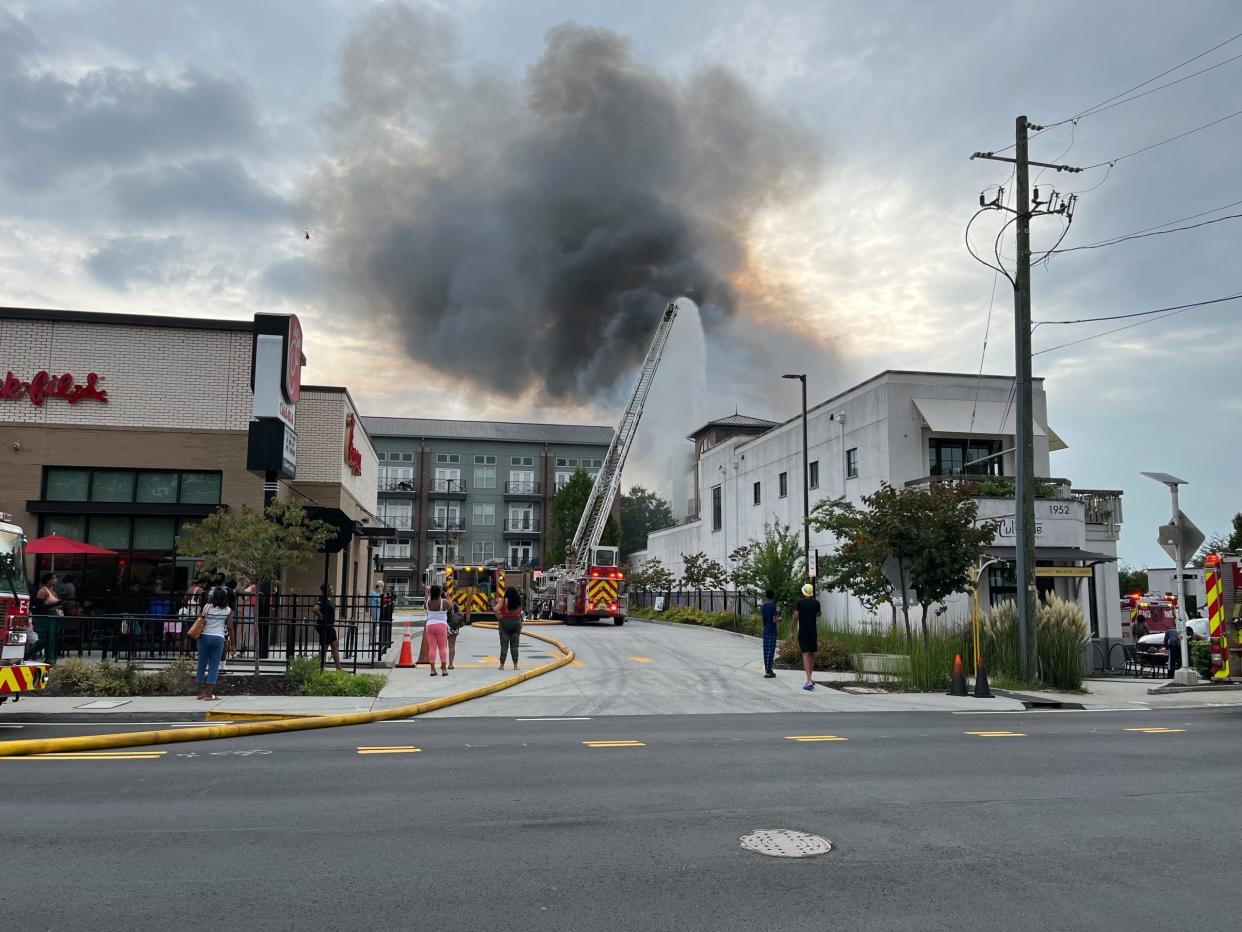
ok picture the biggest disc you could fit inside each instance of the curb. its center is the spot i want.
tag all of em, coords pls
(1036, 702)
(1205, 688)
(143, 738)
(86, 718)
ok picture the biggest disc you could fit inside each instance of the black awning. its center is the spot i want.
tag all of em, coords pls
(342, 522)
(372, 532)
(1052, 553)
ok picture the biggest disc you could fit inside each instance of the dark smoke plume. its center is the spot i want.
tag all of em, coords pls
(528, 237)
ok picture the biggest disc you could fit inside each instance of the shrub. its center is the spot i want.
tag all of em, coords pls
(1061, 632)
(176, 679)
(301, 670)
(340, 683)
(1201, 658)
(831, 655)
(75, 676)
(117, 679)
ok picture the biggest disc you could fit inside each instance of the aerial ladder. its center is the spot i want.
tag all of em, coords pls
(591, 584)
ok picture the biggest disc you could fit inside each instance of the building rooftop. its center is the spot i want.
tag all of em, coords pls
(738, 421)
(132, 320)
(442, 429)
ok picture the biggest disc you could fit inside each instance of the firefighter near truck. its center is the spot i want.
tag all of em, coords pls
(18, 675)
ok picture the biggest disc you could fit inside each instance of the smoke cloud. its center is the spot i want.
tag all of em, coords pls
(526, 237)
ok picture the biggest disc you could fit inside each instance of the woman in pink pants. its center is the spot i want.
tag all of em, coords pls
(436, 631)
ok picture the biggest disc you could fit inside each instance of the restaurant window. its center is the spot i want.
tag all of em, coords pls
(717, 509)
(157, 487)
(71, 526)
(153, 533)
(110, 532)
(112, 485)
(200, 488)
(67, 485)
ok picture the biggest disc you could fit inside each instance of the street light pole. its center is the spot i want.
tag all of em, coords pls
(806, 478)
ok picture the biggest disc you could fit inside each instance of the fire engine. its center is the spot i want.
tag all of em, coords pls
(591, 584)
(17, 674)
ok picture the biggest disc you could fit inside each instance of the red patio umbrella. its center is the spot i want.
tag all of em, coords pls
(54, 545)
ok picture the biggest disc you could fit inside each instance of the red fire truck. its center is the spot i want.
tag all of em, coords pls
(17, 674)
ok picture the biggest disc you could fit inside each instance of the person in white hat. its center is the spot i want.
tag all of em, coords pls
(806, 617)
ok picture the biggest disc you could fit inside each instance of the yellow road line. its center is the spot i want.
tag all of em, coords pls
(1157, 731)
(807, 738)
(614, 744)
(641, 659)
(997, 734)
(112, 755)
(395, 749)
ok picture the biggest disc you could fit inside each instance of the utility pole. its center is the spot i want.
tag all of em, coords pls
(806, 479)
(1024, 444)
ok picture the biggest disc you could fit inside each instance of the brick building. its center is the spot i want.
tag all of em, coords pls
(119, 429)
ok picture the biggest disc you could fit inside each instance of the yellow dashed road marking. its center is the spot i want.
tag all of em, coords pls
(1156, 731)
(808, 738)
(641, 659)
(614, 744)
(997, 734)
(392, 749)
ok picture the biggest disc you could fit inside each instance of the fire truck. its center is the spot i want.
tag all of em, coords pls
(591, 585)
(17, 674)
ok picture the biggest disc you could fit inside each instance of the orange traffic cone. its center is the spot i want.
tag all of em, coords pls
(422, 651)
(959, 679)
(982, 689)
(407, 654)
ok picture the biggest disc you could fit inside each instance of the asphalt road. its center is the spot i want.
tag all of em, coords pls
(1074, 820)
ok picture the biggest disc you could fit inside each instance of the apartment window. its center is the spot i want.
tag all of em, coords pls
(396, 551)
(447, 516)
(782, 482)
(562, 479)
(448, 457)
(956, 457)
(814, 475)
(521, 461)
(484, 515)
(483, 550)
(521, 554)
(485, 476)
(851, 463)
(757, 492)
(485, 461)
(521, 518)
(444, 552)
(396, 514)
(405, 457)
(592, 464)
(717, 509)
(566, 463)
(447, 479)
(522, 482)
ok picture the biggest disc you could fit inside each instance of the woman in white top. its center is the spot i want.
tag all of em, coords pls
(217, 630)
(436, 631)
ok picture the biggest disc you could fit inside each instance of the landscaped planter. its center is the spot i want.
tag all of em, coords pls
(880, 665)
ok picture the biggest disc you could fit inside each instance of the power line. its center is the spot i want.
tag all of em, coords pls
(1094, 110)
(1123, 239)
(1159, 310)
(1155, 145)
(1148, 320)
(1161, 226)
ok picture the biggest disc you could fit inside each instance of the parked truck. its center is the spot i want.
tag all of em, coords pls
(18, 674)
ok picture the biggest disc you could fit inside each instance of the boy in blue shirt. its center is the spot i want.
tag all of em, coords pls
(768, 611)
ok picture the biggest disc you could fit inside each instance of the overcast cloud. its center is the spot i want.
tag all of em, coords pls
(164, 156)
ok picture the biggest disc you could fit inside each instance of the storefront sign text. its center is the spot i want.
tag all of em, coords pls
(353, 456)
(44, 385)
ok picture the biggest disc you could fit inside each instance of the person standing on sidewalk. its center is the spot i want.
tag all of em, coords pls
(806, 618)
(768, 611)
(509, 621)
(218, 630)
(325, 617)
(436, 630)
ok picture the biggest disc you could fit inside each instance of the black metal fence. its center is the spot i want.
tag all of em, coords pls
(278, 628)
(742, 604)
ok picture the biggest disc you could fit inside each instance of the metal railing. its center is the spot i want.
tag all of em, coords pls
(397, 485)
(522, 488)
(451, 486)
(995, 486)
(280, 628)
(446, 524)
(1101, 506)
(522, 525)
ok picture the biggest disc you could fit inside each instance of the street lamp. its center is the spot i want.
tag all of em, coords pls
(806, 476)
(1172, 538)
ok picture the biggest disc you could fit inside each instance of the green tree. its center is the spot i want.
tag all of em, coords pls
(642, 512)
(1131, 579)
(252, 545)
(699, 571)
(775, 561)
(1221, 543)
(567, 510)
(855, 565)
(651, 576)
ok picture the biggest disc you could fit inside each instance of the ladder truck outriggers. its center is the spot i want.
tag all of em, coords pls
(591, 584)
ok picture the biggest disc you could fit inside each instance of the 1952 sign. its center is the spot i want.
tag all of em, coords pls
(44, 385)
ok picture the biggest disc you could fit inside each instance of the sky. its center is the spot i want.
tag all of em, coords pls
(500, 196)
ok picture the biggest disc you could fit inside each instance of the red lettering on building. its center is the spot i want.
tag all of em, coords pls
(43, 385)
(353, 456)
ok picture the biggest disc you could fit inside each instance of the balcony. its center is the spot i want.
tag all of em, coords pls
(398, 522)
(447, 488)
(995, 486)
(521, 527)
(439, 525)
(523, 489)
(1102, 507)
(397, 487)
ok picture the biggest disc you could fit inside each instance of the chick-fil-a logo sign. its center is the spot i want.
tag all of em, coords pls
(44, 385)
(353, 456)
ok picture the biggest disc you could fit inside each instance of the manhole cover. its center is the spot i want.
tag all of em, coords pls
(785, 843)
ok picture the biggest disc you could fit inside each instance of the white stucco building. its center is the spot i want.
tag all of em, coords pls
(902, 428)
